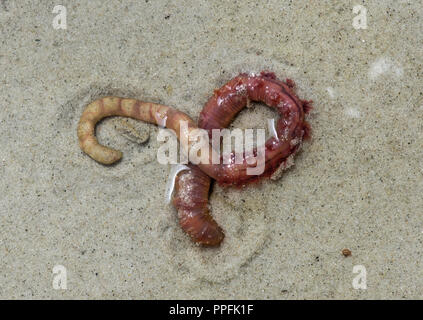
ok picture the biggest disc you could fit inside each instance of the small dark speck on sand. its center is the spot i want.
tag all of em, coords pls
(346, 252)
(37, 40)
(167, 17)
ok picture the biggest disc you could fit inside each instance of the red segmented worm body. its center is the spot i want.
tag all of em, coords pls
(191, 198)
(192, 185)
(231, 98)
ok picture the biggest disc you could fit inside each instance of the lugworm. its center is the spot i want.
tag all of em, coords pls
(192, 186)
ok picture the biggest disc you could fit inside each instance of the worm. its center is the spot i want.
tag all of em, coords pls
(192, 185)
(291, 127)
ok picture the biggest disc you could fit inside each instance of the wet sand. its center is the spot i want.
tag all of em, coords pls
(357, 184)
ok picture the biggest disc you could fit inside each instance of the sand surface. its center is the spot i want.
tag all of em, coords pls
(357, 184)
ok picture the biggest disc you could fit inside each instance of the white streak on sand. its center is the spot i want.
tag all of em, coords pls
(352, 112)
(331, 92)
